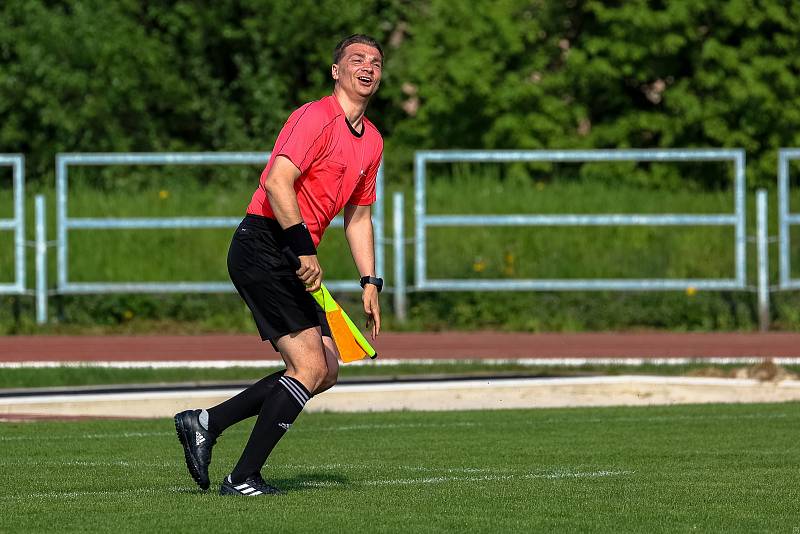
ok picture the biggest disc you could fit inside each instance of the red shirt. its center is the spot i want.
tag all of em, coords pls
(337, 167)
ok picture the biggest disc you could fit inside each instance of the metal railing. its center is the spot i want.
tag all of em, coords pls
(65, 223)
(786, 219)
(762, 260)
(425, 220)
(16, 224)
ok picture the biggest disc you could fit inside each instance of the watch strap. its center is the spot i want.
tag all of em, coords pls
(377, 282)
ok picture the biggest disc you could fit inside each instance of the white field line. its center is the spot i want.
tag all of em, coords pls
(345, 428)
(411, 386)
(388, 362)
(378, 467)
(369, 427)
(101, 493)
(179, 463)
(321, 484)
(489, 478)
(394, 425)
(118, 435)
(87, 463)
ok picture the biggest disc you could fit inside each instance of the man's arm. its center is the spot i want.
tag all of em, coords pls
(283, 200)
(358, 230)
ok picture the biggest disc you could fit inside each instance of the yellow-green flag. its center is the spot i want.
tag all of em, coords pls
(349, 340)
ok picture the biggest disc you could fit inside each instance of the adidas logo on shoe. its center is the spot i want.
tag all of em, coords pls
(252, 487)
(285, 426)
(198, 438)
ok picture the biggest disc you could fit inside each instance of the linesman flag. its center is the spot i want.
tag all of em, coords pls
(349, 340)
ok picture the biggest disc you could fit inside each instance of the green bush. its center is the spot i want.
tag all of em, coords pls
(89, 75)
(131, 76)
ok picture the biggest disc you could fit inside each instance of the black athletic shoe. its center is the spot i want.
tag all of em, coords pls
(251, 487)
(197, 443)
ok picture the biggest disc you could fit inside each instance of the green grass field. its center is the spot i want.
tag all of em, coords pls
(710, 468)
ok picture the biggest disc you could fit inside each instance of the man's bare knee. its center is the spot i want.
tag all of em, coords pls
(304, 355)
(330, 378)
(333, 376)
(312, 377)
(332, 362)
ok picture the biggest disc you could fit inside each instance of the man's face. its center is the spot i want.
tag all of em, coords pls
(359, 70)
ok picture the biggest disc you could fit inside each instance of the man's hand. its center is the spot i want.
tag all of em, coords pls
(310, 272)
(372, 308)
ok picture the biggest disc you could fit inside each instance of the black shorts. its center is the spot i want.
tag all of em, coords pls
(269, 286)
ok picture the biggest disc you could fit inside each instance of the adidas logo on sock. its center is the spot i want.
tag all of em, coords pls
(198, 438)
(285, 426)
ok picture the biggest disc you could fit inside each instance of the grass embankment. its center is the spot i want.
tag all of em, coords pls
(465, 252)
(89, 375)
(729, 468)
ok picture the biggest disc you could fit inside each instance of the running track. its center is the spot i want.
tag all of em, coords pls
(478, 345)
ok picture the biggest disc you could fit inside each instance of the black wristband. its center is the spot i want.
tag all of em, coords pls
(298, 238)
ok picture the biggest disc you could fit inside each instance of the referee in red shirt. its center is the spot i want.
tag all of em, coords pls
(325, 159)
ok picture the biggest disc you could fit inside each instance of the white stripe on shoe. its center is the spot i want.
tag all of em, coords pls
(248, 489)
(255, 493)
(240, 486)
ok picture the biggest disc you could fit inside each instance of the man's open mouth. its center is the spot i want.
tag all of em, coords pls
(365, 80)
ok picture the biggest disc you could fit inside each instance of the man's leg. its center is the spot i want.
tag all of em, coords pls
(248, 403)
(306, 371)
(332, 362)
(198, 430)
(244, 405)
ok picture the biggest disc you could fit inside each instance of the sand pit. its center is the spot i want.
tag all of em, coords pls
(442, 395)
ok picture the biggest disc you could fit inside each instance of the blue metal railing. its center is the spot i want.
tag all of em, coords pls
(786, 219)
(64, 222)
(424, 220)
(16, 224)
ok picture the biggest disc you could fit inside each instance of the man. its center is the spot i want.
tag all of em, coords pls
(325, 159)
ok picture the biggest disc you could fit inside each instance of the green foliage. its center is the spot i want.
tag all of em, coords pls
(139, 76)
(88, 75)
(149, 76)
(597, 74)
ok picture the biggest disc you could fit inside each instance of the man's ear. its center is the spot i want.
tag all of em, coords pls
(335, 71)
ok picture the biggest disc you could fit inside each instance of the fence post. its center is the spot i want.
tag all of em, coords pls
(41, 261)
(762, 244)
(399, 258)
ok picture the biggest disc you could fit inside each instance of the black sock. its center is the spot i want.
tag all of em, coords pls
(280, 410)
(246, 404)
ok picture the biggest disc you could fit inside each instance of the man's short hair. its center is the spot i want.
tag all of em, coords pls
(353, 39)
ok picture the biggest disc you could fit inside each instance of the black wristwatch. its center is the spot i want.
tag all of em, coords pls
(377, 282)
